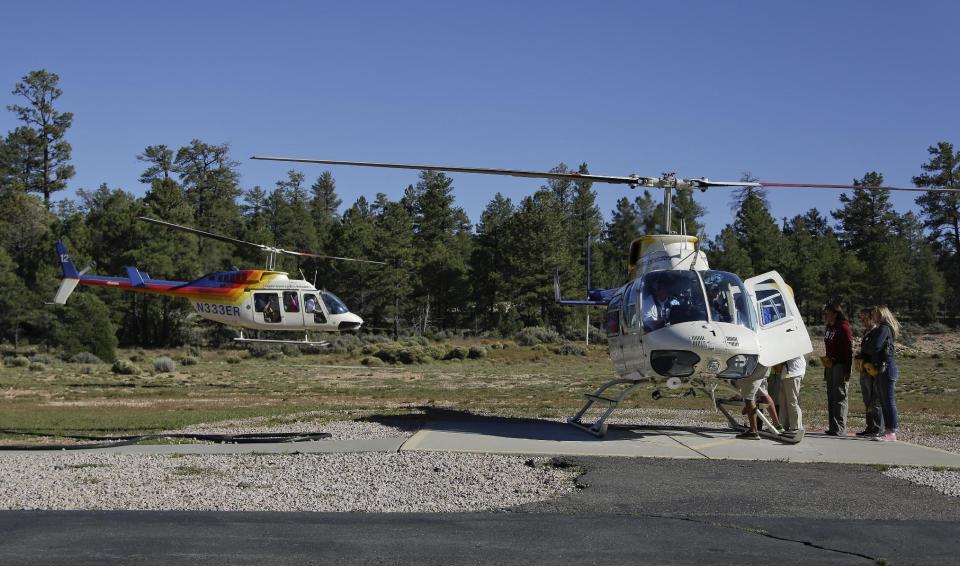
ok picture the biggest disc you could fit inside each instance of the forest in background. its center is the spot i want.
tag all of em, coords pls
(446, 272)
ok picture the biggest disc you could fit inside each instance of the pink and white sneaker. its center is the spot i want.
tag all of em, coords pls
(886, 437)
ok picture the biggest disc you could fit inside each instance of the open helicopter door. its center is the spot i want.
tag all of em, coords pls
(781, 334)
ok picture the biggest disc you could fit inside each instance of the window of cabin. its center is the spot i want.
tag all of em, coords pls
(631, 315)
(269, 305)
(290, 302)
(312, 306)
(613, 316)
(770, 303)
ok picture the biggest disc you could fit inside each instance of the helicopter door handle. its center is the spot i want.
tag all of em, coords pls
(791, 329)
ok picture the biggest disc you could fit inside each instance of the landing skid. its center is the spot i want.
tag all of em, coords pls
(599, 427)
(305, 342)
(767, 431)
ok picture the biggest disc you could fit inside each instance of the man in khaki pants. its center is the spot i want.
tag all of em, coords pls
(790, 378)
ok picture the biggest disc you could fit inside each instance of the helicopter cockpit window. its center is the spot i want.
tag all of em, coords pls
(613, 316)
(727, 299)
(770, 303)
(671, 297)
(333, 302)
(290, 302)
(269, 305)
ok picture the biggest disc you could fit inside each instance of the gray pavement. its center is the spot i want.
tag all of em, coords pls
(506, 436)
(630, 511)
(540, 437)
(681, 496)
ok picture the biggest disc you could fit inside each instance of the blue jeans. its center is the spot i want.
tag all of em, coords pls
(886, 385)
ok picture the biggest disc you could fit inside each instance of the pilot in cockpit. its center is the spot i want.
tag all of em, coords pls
(656, 306)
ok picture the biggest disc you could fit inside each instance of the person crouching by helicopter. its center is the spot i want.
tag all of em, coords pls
(877, 351)
(753, 389)
(838, 341)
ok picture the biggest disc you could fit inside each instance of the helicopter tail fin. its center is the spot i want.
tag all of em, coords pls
(593, 301)
(70, 277)
(69, 269)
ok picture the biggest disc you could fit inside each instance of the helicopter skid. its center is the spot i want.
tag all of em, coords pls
(766, 431)
(294, 342)
(599, 427)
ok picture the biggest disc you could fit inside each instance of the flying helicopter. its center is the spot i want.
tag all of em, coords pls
(675, 322)
(253, 299)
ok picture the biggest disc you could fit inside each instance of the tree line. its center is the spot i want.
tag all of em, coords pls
(444, 272)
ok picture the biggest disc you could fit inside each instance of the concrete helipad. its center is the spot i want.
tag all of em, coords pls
(539, 437)
(550, 438)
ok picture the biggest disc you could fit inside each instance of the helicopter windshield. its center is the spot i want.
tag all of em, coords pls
(670, 297)
(333, 303)
(728, 299)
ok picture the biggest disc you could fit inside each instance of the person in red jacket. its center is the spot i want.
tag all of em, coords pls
(838, 339)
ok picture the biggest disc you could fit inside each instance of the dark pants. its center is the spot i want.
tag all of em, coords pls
(886, 385)
(871, 401)
(838, 384)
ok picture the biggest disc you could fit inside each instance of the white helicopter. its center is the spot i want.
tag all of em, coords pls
(257, 299)
(676, 322)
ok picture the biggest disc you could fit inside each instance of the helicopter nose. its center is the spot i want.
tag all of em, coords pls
(349, 321)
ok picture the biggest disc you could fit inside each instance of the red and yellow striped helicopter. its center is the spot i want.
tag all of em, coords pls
(255, 299)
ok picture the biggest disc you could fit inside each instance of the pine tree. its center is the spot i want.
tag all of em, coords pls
(866, 228)
(488, 263)
(356, 237)
(393, 283)
(289, 218)
(210, 180)
(758, 235)
(324, 208)
(941, 214)
(442, 239)
(926, 285)
(47, 148)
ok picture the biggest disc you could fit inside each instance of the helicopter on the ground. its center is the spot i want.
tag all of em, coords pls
(255, 299)
(676, 322)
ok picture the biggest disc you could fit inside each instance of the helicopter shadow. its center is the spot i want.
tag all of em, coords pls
(440, 419)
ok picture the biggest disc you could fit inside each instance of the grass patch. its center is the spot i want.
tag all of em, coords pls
(514, 381)
(83, 466)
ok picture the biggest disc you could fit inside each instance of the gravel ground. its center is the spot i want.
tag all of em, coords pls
(375, 482)
(314, 421)
(946, 482)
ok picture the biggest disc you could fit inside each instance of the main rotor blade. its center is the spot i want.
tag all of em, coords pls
(864, 187)
(633, 180)
(263, 247)
(203, 233)
(483, 171)
(320, 256)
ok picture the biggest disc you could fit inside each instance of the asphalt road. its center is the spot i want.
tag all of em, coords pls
(630, 511)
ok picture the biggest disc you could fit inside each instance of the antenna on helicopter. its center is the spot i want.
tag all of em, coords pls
(271, 251)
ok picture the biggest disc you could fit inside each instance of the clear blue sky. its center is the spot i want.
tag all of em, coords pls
(817, 91)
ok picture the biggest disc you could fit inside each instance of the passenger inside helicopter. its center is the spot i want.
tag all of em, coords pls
(727, 298)
(269, 305)
(311, 306)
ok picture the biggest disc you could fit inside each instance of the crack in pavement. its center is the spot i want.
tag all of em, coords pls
(763, 533)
